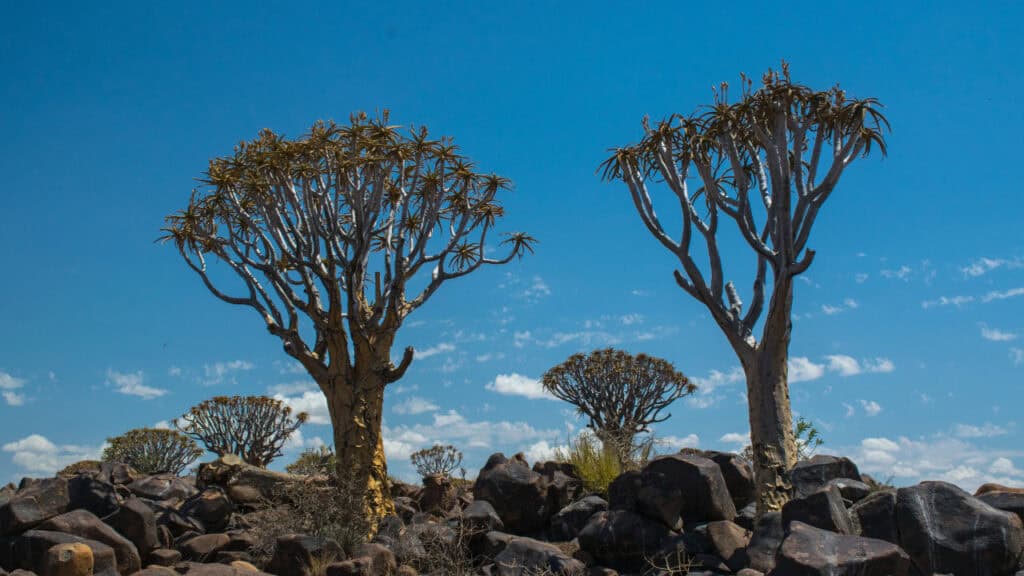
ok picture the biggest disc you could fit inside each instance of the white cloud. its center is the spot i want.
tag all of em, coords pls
(8, 382)
(943, 301)
(36, 454)
(312, 402)
(518, 385)
(1002, 295)
(13, 398)
(414, 405)
(985, 265)
(871, 408)
(801, 369)
(490, 356)
(861, 278)
(741, 438)
(848, 304)
(162, 425)
(585, 338)
(174, 371)
(676, 443)
(996, 335)
(986, 431)
(224, 372)
(850, 411)
(536, 290)
(631, 319)
(705, 396)
(542, 451)
(1017, 355)
(849, 366)
(296, 387)
(434, 350)
(132, 384)
(902, 273)
(453, 428)
(521, 339)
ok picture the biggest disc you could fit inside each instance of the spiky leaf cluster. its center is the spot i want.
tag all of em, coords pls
(152, 450)
(437, 459)
(314, 461)
(333, 225)
(254, 428)
(621, 394)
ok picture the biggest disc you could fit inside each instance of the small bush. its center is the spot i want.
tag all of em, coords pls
(152, 450)
(804, 434)
(254, 428)
(314, 461)
(596, 464)
(436, 460)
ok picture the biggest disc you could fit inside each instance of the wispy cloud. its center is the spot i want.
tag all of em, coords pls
(1002, 295)
(706, 395)
(871, 408)
(984, 265)
(987, 430)
(131, 383)
(848, 304)
(943, 301)
(848, 366)
(995, 334)
(519, 385)
(740, 438)
(442, 348)
(901, 273)
(224, 372)
(1017, 356)
(9, 386)
(414, 405)
(802, 369)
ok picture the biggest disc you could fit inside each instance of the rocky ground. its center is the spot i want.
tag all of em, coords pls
(681, 514)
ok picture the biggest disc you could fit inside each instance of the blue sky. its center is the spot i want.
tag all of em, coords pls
(908, 337)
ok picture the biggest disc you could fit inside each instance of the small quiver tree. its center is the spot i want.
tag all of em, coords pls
(334, 239)
(254, 428)
(620, 394)
(436, 460)
(766, 163)
(152, 450)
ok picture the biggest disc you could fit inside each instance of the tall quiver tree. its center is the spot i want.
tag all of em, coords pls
(768, 163)
(324, 235)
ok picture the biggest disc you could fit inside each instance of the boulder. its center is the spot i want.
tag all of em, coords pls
(73, 559)
(562, 489)
(811, 475)
(810, 551)
(739, 477)
(622, 539)
(378, 560)
(196, 569)
(746, 517)
(623, 490)
(244, 484)
(480, 516)
(162, 487)
(993, 487)
(491, 544)
(85, 524)
(946, 530)
(875, 516)
(765, 541)
(36, 502)
(96, 496)
(211, 507)
(681, 488)
(204, 547)
(822, 509)
(567, 523)
(295, 553)
(438, 494)
(30, 550)
(518, 494)
(852, 491)
(526, 556)
(178, 524)
(164, 557)
(729, 541)
(1005, 501)
(135, 521)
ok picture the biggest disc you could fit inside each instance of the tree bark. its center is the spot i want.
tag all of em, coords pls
(356, 410)
(771, 419)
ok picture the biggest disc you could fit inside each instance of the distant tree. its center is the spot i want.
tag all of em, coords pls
(325, 235)
(620, 394)
(320, 460)
(254, 428)
(152, 450)
(768, 163)
(436, 460)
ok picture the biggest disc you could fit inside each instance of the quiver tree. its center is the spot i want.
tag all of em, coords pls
(334, 239)
(254, 428)
(152, 450)
(437, 459)
(620, 394)
(766, 164)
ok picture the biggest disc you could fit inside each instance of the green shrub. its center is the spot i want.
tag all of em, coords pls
(254, 428)
(152, 450)
(314, 461)
(596, 464)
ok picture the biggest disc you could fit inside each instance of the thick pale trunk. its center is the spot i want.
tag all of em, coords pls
(771, 419)
(356, 410)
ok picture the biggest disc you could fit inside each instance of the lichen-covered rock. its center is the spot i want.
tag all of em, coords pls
(822, 508)
(810, 551)
(68, 560)
(947, 531)
(86, 525)
(31, 547)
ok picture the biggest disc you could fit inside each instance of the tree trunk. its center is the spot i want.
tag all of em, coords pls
(771, 419)
(356, 410)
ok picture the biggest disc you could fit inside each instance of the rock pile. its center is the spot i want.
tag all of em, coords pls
(681, 514)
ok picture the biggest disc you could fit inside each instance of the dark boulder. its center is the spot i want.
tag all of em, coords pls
(295, 554)
(622, 539)
(1005, 501)
(480, 516)
(947, 531)
(164, 557)
(823, 509)
(211, 507)
(729, 542)
(811, 475)
(30, 551)
(810, 551)
(518, 494)
(92, 494)
(136, 521)
(853, 491)
(623, 490)
(162, 487)
(875, 516)
(739, 477)
(526, 556)
(204, 547)
(85, 524)
(765, 542)
(684, 488)
(567, 523)
(35, 502)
